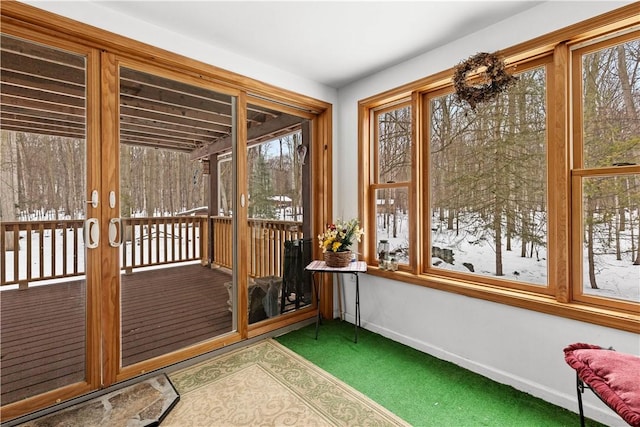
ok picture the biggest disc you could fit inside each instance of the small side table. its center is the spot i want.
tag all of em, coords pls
(354, 268)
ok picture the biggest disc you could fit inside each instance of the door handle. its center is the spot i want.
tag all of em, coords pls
(94, 199)
(91, 233)
(115, 231)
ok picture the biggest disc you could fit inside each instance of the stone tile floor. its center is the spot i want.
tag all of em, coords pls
(142, 404)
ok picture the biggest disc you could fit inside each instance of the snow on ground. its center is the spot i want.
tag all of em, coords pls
(616, 279)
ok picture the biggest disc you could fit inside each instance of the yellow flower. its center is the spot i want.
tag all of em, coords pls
(339, 237)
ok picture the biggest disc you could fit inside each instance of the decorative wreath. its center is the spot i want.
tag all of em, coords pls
(498, 79)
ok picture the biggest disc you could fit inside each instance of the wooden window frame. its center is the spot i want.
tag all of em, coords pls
(376, 185)
(545, 61)
(559, 298)
(579, 172)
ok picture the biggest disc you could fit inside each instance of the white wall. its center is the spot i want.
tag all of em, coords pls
(518, 347)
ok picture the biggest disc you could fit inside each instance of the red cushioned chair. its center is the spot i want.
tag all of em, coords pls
(612, 376)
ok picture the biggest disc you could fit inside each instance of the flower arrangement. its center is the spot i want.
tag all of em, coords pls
(339, 237)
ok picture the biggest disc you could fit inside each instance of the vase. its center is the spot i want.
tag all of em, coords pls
(337, 259)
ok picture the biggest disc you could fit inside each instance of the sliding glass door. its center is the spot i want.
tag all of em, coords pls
(277, 159)
(152, 209)
(171, 295)
(49, 220)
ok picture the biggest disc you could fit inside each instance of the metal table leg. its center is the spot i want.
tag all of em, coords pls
(357, 318)
(317, 289)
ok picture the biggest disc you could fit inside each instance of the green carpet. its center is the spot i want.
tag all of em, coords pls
(419, 388)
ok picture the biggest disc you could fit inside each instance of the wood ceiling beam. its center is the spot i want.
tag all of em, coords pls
(154, 144)
(46, 131)
(42, 96)
(274, 135)
(27, 80)
(157, 82)
(39, 105)
(145, 136)
(39, 67)
(43, 91)
(43, 123)
(174, 113)
(39, 115)
(170, 96)
(157, 129)
(175, 120)
(270, 127)
(35, 50)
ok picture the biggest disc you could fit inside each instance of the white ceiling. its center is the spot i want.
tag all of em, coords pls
(330, 42)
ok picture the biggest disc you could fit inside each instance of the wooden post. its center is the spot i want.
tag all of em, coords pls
(306, 180)
(9, 178)
(214, 209)
(204, 241)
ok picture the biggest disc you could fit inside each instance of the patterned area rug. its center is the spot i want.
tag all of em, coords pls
(268, 384)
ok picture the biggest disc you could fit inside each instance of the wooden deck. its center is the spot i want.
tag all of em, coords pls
(42, 328)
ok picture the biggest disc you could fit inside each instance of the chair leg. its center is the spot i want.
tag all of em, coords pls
(580, 390)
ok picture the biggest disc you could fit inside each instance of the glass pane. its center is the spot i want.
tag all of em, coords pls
(394, 145)
(487, 173)
(42, 213)
(392, 222)
(170, 297)
(278, 183)
(225, 186)
(611, 237)
(611, 106)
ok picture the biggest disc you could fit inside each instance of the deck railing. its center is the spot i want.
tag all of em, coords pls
(43, 250)
(153, 241)
(266, 244)
(54, 249)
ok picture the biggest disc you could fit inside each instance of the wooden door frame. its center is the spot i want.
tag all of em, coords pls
(93, 267)
(22, 20)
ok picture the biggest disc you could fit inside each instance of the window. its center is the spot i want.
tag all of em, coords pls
(392, 179)
(527, 199)
(487, 183)
(606, 182)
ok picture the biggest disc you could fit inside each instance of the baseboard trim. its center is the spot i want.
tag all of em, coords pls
(555, 397)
